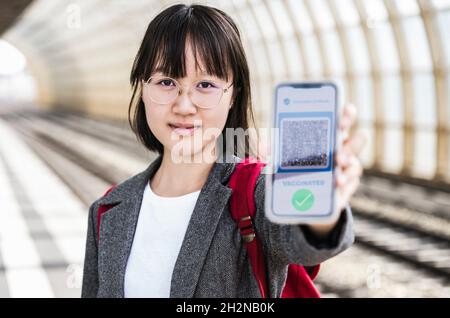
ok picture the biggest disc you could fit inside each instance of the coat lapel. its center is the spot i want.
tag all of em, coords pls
(119, 224)
(211, 202)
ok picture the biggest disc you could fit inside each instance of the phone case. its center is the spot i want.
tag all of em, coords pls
(270, 168)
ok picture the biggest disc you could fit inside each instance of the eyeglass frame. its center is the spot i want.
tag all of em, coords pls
(180, 87)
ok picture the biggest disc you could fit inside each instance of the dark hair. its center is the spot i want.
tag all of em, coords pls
(212, 34)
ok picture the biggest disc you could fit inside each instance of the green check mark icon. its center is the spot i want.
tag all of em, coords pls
(303, 200)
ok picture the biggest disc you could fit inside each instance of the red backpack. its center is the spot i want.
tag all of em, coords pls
(299, 279)
(299, 282)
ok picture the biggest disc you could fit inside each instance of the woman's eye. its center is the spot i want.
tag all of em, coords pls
(165, 82)
(206, 85)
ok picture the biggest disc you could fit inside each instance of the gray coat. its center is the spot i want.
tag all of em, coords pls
(212, 261)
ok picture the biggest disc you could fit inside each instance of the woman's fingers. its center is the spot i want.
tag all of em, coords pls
(352, 147)
(348, 117)
(352, 171)
(347, 120)
(346, 192)
(349, 170)
(356, 143)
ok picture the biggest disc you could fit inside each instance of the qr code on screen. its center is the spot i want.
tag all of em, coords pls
(305, 143)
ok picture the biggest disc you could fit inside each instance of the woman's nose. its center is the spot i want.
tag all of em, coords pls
(183, 103)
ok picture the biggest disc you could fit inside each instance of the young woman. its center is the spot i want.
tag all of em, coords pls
(169, 231)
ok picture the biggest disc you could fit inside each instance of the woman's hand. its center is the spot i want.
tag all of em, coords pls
(349, 168)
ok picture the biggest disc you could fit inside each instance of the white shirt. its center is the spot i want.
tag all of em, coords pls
(160, 231)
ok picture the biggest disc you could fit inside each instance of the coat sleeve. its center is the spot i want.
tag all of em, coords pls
(90, 271)
(294, 244)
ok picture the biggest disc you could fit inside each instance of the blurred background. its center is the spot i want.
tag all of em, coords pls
(64, 136)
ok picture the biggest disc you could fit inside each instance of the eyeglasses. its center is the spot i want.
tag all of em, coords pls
(203, 94)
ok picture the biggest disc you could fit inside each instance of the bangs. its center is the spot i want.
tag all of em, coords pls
(207, 39)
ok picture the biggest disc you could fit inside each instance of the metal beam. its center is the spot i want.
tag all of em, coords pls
(377, 89)
(279, 40)
(440, 73)
(345, 46)
(298, 37)
(407, 86)
(326, 69)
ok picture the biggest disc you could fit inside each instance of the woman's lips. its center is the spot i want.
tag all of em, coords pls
(183, 131)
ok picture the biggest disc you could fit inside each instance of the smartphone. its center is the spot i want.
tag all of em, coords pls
(300, 182)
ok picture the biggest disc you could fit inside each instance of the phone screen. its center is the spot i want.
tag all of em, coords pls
(303, 152)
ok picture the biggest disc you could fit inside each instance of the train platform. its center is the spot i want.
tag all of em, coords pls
(42, 226)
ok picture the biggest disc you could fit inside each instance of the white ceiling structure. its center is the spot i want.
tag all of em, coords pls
(390, 56)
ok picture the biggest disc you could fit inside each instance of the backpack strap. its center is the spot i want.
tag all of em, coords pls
(243, 210)
(102, 209)
(299, 278)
